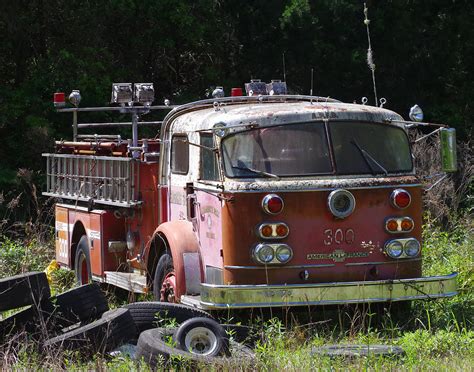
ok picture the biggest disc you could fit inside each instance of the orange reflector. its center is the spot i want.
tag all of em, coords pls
(407, 224)
(266, 231)
(282, 230)
(392, 225)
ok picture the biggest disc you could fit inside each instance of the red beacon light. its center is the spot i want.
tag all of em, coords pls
(236, 92)
(59, 100)
(400, 198)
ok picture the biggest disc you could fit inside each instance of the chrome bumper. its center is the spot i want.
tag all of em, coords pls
(246, 296)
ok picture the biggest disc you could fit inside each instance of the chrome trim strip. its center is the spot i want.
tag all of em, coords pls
(247, 296)
(231, 267)
(383, 263)
(274, 190)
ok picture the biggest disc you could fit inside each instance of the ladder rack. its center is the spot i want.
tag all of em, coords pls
(100, 179)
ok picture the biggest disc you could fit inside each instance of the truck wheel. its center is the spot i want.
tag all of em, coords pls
(82, 265)
(164, 282)
(202, 336)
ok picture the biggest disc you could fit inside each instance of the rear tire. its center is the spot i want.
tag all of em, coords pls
(164, 289)
(82, 263)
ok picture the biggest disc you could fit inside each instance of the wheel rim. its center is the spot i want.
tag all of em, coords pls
(168, 288)
(83, 270)
(201, 341)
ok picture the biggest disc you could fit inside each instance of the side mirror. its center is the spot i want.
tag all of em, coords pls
(448, 150)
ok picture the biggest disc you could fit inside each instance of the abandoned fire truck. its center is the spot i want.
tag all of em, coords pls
(257, 200)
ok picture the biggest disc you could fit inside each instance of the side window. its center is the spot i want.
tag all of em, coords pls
(208, 161)
(180, 154)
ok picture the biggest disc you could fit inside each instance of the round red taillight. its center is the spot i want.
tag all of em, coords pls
(400, 198)
(272, 204)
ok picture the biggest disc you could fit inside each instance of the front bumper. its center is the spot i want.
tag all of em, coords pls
(247, 296)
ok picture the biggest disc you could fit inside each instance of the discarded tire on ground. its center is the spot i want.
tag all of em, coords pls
(154, 348)
(84, 303)
(202, 336)
(37, 320)
(357, 350)
(23, 290)
(147, 315)
(114, 328)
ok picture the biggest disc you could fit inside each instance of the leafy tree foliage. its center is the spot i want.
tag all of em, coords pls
(423, 54)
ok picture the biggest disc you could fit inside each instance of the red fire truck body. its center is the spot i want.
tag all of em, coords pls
(251, 201)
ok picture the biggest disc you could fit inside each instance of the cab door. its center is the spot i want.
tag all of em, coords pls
(207, 209)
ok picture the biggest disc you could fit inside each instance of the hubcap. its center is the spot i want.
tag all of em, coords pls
(168, 288)
(200, 340)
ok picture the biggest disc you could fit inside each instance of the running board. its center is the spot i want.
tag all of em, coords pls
(193, 301)
(132, 282)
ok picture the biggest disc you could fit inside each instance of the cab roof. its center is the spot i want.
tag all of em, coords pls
(269, 111)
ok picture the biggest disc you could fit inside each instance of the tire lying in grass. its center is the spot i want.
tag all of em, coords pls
(113, 329)
(23, 290)
(148, 315)
(352, 351)
(155, 348)
(202, 336)
(36, 320)
(81, 304)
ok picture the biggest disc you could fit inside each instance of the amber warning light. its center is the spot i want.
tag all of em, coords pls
(59, 100)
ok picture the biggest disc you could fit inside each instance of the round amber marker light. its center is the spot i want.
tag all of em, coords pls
(407, 225)
(282, 230)
(266, 231)
(392, 225)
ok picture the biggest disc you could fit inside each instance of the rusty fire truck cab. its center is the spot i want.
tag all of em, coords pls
(252, 202)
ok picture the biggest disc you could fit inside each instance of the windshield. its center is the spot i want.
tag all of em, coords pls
(369, 148)
(287, 150)
(302, 149)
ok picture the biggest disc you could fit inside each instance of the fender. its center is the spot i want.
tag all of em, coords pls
(181, 239)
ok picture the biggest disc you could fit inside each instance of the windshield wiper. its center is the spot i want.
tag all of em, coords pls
(367, 156)
(256, 171)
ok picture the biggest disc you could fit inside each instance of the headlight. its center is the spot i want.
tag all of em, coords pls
(272, 253)
(394, 248)
(412, 247)
(264, 253)
(284, 253)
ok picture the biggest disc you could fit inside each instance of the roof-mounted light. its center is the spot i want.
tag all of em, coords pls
(276, 87)
(122, 93)
(59, 100)
(75, 98)
(144, 93)
(218, 92)
(256, 87)
(416, 113)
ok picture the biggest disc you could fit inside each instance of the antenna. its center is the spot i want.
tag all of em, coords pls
(370, 56)
(312, 80)
(284, 69)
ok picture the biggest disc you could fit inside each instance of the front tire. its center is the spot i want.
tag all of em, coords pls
(82, 263)
(164, 282)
